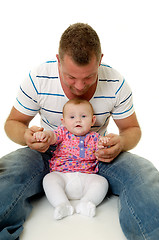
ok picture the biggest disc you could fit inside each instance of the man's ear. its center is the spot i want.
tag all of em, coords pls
(93, 120)
(58, 59)
(101, 59)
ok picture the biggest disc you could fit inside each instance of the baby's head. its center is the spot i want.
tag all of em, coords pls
(78, 116)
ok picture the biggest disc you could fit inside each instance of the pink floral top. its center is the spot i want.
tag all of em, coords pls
(75, 153)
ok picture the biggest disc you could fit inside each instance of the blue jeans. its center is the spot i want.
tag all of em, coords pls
(136, 181)
(133, 178)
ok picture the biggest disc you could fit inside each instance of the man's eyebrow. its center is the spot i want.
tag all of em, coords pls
(90, 75)
(70, 76)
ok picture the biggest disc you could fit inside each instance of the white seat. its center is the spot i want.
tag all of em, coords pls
(105, 225)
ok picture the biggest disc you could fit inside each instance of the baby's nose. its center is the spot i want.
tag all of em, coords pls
(78, 119)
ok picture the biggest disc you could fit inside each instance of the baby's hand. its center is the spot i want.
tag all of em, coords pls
(103, 141)
(40, 136)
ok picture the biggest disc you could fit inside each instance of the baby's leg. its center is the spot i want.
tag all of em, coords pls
(95, 189)
(54, 185)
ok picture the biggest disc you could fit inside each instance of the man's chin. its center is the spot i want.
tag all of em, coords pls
(78, 93)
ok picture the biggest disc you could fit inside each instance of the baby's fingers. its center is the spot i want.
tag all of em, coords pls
(39, 136)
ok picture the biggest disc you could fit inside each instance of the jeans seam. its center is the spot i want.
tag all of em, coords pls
(138, 221)
(13, 204)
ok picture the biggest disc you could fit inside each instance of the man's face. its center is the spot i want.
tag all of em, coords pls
(78, 79)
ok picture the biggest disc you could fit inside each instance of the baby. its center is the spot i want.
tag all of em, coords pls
(73, 166)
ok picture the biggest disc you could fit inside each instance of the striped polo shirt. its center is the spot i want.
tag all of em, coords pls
(41, 92)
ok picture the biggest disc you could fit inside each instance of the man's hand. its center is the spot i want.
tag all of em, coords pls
(128, 138)
(111, 148)
(32, 142)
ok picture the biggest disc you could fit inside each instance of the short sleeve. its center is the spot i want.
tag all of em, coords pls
(124, 102)
(27, 97)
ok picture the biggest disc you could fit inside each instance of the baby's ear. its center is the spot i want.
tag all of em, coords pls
(63, 121)
(93, 120)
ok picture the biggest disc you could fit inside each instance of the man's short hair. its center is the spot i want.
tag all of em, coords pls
(80, 42)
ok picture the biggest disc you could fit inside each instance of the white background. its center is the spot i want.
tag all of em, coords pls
(129, 33)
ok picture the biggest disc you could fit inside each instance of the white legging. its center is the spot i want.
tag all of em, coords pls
(62, 187)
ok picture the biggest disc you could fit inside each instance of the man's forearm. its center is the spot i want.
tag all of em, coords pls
(15, 131)
(130, 138)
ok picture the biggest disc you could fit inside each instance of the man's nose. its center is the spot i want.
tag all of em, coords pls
(80, 84)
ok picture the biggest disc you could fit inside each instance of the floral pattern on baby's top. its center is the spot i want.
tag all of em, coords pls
(75, 153)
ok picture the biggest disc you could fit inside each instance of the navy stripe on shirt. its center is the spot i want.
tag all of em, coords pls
(108, 80)
(104, 97)
(53, 61)
(124, 100)
(34, 110)
(120, 87)
(48, 110)
(104, 65)
(27, 95)
(48, 77)
(49, 124)
(42, 93)
(120, 113)
(97, 114)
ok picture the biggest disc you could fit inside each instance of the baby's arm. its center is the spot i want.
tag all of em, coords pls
(45, 136)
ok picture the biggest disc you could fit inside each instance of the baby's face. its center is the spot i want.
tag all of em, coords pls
(78, 118)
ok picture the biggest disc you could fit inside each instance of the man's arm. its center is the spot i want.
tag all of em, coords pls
(129, 131)
(128, 138)
(16, 125)
(17, 129)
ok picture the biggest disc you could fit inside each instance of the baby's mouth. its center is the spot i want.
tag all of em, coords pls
(78, 126)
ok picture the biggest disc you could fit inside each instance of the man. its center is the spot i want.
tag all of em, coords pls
(78, 72)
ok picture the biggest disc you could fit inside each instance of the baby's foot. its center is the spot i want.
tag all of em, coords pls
(63, 210)
(86, 208)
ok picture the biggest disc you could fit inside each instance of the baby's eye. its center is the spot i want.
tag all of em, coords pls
(83, 116)
(72, 117)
